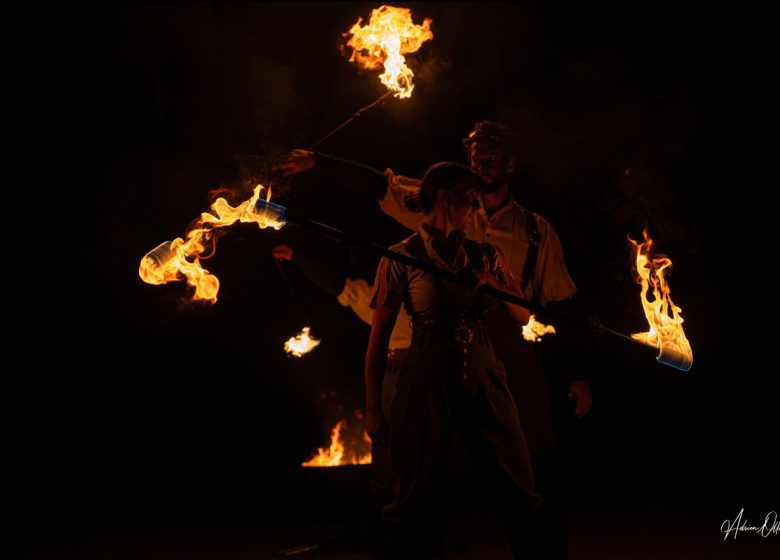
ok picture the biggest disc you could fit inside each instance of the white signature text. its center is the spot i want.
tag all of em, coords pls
(771, 525)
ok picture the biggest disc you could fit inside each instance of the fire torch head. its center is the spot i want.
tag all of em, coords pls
(160, 254)
(273, 211)
(671, 355)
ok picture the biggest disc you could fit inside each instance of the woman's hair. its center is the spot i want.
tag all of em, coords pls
(445, 175)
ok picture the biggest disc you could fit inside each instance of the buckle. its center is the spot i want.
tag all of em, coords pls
(463, 334)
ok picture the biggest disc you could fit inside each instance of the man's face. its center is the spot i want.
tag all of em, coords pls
(488, 163)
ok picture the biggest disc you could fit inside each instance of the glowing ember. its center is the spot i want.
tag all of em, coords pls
(301, 343)
(340, 453)
(534, 330)
(179, 259)
(389, 35)
(666, 332)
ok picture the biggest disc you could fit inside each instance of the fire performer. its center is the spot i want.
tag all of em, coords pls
(450, 381)
(535, 257)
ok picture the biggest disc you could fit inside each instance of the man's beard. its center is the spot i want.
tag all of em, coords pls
(490, 188)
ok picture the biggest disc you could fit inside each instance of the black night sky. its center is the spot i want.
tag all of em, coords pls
(144, 412)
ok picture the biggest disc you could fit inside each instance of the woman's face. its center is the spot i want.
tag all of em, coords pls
(462, 205)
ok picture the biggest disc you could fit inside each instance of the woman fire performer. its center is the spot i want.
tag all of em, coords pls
(450, 380)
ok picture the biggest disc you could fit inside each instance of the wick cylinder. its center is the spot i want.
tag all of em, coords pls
(671, 355)
(272, 210)
(160, 254)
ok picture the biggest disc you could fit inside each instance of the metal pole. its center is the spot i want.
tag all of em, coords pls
(359, 113)
(351, 240)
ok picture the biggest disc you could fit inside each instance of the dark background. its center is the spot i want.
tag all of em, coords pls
(133, 409)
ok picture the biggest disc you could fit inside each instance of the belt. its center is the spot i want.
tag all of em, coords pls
(447, 318)
(456, 327)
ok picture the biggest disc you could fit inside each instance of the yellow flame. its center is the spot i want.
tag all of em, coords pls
(389, 35)
(534, 330)
(663, 316)
(180, 259)
(339, 452)
(301, 343)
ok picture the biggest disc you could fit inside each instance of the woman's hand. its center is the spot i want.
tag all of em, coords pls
(376, 427)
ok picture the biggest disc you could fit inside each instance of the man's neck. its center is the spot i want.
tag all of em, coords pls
(495, 201)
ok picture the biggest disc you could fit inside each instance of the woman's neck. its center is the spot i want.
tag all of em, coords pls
(446, 240)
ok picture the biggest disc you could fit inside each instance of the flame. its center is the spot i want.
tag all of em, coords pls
(180, 259)
(301, 343)
(663, 316)
(389, 35)
(534, 330)
(339, 453)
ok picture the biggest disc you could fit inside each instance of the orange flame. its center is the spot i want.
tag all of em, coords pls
(663, 316)
(301, 343)
(534, 330)
(340, 453)
(389, 35)
(179, 259)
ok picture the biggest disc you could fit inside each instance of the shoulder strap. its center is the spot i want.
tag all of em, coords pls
(534, 240)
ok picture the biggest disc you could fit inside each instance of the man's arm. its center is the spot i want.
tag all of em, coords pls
(357, 179)
(573, 355)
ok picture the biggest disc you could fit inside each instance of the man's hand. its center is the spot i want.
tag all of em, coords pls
(580, 391)
(282, 252)
(297, 161)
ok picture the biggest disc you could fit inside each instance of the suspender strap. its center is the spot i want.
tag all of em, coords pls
(534, 240)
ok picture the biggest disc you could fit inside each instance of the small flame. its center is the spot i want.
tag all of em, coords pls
(340, 453)
(180, 259)
(534, 330)
(663, 316)
(301, 343)
(389, 35)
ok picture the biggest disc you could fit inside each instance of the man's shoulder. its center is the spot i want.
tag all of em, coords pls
(542, 223)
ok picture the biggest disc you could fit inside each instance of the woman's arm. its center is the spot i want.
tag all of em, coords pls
(376, 360)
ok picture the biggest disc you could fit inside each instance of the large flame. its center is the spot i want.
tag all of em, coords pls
(533, 331)
(340, 451)
(180, 259)
(389, 35)
(663, 316)
(301, 343)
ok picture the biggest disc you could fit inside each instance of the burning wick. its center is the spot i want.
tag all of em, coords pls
(389, 35)
(301, 343)
(177, 260)
(534, 330)
(663, 316)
